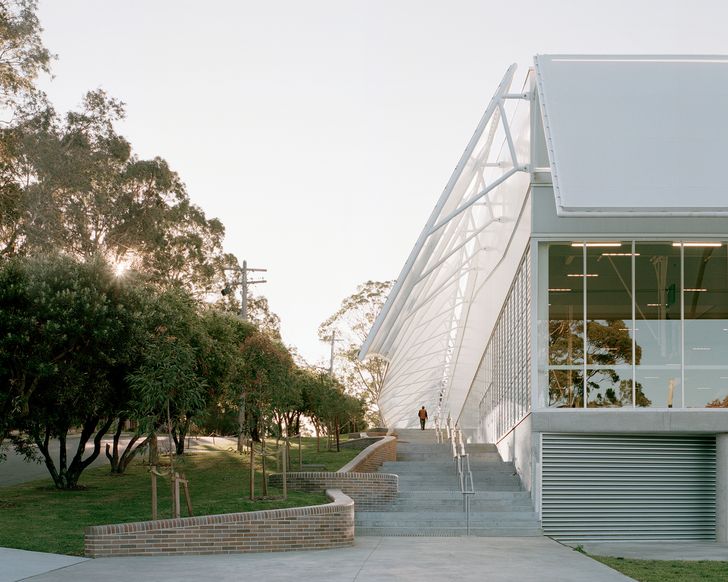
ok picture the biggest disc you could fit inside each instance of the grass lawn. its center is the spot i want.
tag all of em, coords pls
(668, 570)
(36, 516)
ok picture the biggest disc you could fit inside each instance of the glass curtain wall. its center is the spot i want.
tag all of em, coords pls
(633, 323)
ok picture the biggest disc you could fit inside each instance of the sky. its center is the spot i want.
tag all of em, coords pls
(321, 133)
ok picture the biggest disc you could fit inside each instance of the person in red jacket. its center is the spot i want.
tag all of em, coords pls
(423, 417)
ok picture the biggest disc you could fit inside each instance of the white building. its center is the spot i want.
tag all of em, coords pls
(568, 297)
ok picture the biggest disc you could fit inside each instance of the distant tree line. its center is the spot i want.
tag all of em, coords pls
(107, 272)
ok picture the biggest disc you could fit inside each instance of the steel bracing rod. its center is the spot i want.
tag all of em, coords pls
(460, 209)
(507, 246)
(509, 137)
(425, 234)
(450, 236)
(398, 330)
(406, 365)
(421, 304)
(422, 375)
(458, 247)
(403, 330)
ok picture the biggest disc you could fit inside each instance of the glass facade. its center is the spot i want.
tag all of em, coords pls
(502, 386)
(634, 323)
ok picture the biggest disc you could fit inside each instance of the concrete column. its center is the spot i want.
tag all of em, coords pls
(721, 488)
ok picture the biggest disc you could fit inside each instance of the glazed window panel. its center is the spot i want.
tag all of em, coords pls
(658, 334)
(608, 282)
(565, 325)
(705, 304)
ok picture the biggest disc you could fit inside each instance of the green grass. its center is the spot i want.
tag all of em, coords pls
(668, 570)
(36, 516)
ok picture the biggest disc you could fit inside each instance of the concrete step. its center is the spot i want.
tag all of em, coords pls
(457, 504)
(505, 495)
(424, 518)
(448, 531)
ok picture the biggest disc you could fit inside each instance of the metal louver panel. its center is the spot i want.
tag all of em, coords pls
(603, 487)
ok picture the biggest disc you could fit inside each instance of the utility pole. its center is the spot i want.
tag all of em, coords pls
(331, 373)
(331, 361)
(244, 283)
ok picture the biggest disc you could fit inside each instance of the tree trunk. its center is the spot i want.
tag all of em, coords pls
(66, 477)
(178, 435)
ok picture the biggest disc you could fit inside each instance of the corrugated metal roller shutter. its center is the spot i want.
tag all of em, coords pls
(628, 487)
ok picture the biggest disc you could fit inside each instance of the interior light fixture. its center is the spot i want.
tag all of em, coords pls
(597, 244)
(652, 377)
(695, 289)
(701, 349)
(559, 290)
(580, 275)
(655, 304)
(697, 244)
(620, 254)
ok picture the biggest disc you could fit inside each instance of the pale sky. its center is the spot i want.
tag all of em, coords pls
(322, 132)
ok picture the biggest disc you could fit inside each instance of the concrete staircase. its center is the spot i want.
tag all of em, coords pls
(430, 503)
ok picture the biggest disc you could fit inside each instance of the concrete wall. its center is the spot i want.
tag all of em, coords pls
(631, 420)
(516, 447)
(297, 528)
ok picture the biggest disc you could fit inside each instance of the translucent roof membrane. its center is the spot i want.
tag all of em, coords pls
(636, 135)
(426, 329)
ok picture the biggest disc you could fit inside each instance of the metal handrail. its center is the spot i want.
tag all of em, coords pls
(462, 467)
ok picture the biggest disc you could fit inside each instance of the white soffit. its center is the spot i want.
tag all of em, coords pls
(629, 135)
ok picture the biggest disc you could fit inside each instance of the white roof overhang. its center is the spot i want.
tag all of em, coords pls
(636, 135)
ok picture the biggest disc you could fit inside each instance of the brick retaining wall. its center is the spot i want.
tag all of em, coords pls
(296, 528)
(371, 458)
(370, 491)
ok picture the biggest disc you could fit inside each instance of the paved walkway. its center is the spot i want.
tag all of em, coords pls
(372, 559)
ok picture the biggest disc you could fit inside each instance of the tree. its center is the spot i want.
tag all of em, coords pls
(64, 329)
(266, 373)
(22, 54)
(351, 325)
(74, 184)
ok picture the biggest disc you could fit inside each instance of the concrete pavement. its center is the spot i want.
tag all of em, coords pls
(372, 559)
(19, 564)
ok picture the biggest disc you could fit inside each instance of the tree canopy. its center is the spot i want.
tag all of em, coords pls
(349, 327)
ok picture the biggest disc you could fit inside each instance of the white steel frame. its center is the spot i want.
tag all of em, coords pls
(420, 328)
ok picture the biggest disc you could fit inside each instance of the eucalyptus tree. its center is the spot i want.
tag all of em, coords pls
(65, 340)
(348, 327)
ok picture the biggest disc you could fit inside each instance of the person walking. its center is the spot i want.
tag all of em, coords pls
(423, 417)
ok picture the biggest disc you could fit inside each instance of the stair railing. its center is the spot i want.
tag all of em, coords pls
(462, 466)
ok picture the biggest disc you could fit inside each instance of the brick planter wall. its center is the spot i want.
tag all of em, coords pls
(296, 528)
(371, 458)
(370, 491)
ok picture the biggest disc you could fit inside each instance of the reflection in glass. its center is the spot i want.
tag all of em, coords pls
(658, 326)
(609, 324)
(706, 324)
(566, 325)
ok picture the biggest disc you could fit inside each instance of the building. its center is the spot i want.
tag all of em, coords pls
(568, 297)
